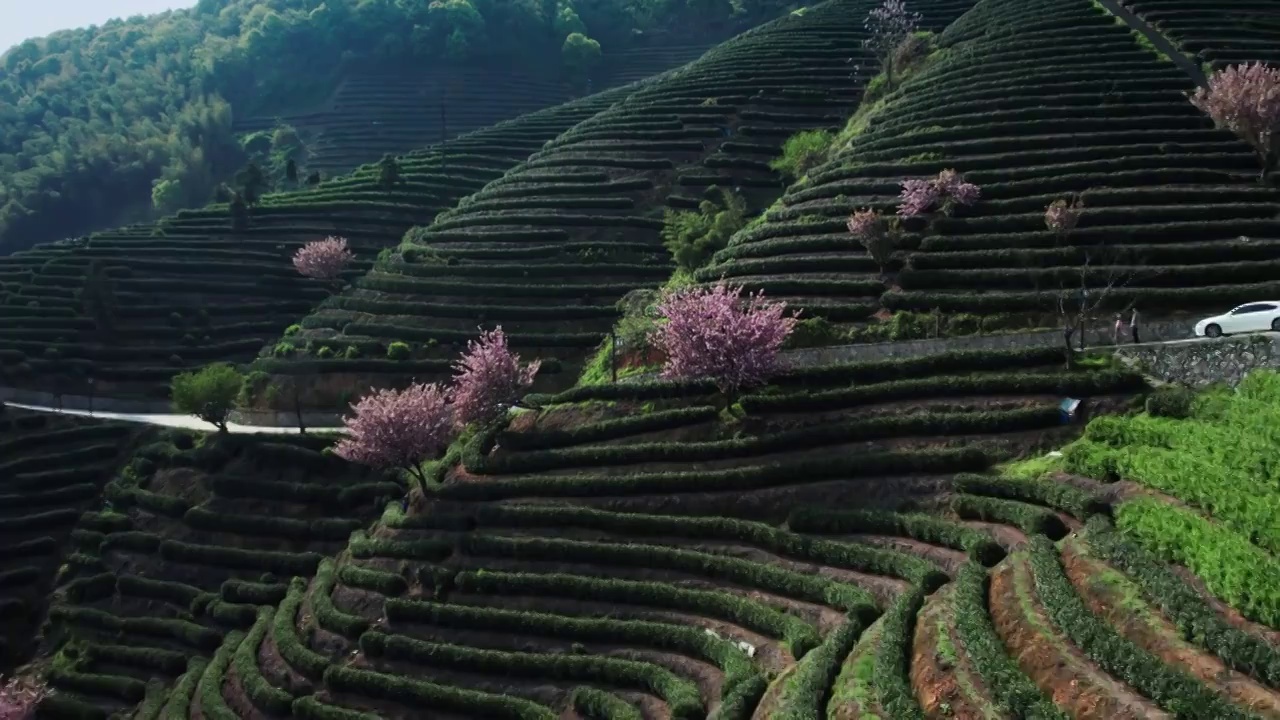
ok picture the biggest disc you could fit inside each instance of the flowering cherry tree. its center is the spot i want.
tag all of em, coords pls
(19, 697)
(489, 379)
(945, 191)
(399, 429)
(710, 333)
(888, 26)
(1245, 99)
(1062, 216)
(323, 259)
(876, 234)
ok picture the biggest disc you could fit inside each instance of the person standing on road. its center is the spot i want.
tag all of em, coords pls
(1118, 330)
(1133, 326)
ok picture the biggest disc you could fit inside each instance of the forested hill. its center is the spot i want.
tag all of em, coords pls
(93, 120)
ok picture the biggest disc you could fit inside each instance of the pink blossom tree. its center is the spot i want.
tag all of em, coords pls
(1062, 216)
(888, 26)
(323, 259)
(489, 379)
(710, 333)
(944, 192)
(19, 697)
(1245, 99)
(876, 233)
(399, 429)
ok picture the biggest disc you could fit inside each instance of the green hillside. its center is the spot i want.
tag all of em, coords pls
(939, 533)
(91, 119)
(1059, 103)
(547, 250)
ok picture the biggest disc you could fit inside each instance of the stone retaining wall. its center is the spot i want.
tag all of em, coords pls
(1203, 362)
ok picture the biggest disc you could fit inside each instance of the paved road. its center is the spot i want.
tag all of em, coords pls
(849, 353)
(187, 422)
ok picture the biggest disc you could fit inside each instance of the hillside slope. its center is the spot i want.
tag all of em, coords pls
(373, 113)
(92, 118)
(192, 290)
(1218, 35)
(1034, 102)
(549, 248)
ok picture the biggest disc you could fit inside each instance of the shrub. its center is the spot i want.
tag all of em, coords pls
(693, 237)
(878, 236)
(209, 394)
(398, 351)
(1171, 689)
(1171, 401)
(802, 152)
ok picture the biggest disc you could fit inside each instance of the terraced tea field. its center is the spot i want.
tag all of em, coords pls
(375, 113)
(1062, 100)
(1237, 32)
(191, 290)
(548, 249)
(372, 114)
(918, 537)
(191, 542)
(50, 470)
(842, 550)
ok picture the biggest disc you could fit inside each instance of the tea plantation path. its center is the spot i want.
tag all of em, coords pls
(802, 358)
(1157, 39)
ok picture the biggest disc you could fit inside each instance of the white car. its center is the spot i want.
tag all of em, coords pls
(1250, 317)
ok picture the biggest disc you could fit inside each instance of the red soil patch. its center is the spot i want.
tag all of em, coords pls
(1155, 634)
(240, 704)
(1010, 538)
(1058, 668)
(278, 672)
(945, 687)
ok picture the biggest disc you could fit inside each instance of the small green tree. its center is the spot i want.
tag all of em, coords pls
(252, 183)
(693, 237)
(239, 213)
(209, 393)
(803, 152)
(581, 54)
(388, 172)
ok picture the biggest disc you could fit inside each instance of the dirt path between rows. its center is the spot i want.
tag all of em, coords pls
(1144, 626)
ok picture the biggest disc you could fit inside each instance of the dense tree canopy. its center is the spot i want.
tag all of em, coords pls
(96, 123)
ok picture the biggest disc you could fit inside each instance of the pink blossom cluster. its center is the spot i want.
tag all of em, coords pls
(709, 333)
(402, 428)
(398, 428)
(489, 379)
(1061, 216)
(889, 24)
(323, 259)
(1244, 99)
(19, 697)
(949, 188)
(867, 225)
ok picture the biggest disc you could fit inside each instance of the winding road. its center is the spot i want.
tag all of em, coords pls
(186, 422)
